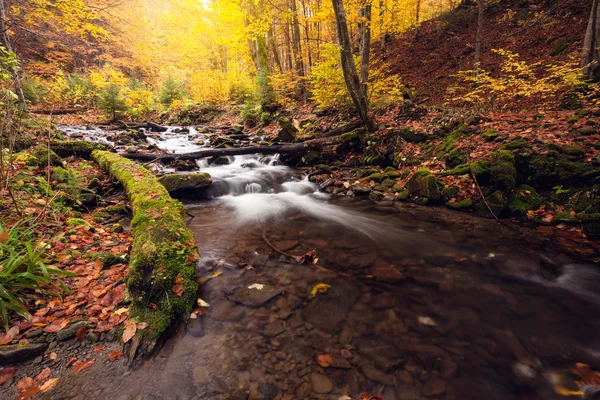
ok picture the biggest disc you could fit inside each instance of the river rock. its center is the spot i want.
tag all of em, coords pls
(423, 183)
(195, 327)
(434, 387)
(376, 375)
(448, 368)
(255, 297)
(275, 328)
(328, 311)
(226, 310)
(173, 182)
(387, 273)
(320, 383)
(385, 356)
(70, 331)
(304, 390)
(21, 352)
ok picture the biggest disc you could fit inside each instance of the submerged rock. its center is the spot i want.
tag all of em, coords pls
(328, 311)
(320, 383)
(255, 297)
(173, 182)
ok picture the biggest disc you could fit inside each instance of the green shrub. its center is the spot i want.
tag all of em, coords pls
(171, 90)
(24, 272)
(251, 114)
(34, 91)
(112, 102)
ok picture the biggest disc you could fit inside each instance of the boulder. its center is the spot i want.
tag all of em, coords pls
(287, 131)
(21, 352)
(423, 183)
(524, 198)
(173, 182)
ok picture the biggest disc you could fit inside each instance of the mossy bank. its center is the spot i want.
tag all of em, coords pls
(163, 256)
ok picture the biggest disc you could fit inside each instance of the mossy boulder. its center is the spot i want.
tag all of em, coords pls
(77, 222)
(63, 175)
(546, 170)
(402, 195)
(524, 199)
(574, 151)
(287, 130)
(449, 192)
(503, 173)
(310, 158)
(161, 275)
(109, 259)
(497, 202)
(410, 135)
(375, 177)
(79, 148)
(38, 156)
(424, 184)
(175, 182)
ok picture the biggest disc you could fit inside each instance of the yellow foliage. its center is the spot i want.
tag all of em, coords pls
(517, 81)
(107, 76)
(139, 102)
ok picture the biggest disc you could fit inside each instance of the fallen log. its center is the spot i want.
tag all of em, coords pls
(235, 151)
(344, 129)
(148, 125)
(60, 111)
(161, 273)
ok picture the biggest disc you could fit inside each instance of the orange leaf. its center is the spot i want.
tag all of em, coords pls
(81, 333)
(324, 360)
(72, 361)
(115, 355)
(129, 332)
(98, 349)
(142, 325)
(178, 289)
(49, 385)
(10, 335)
(45, 374)
(87, 364)
(56, 325)
(4, 237)
(7, 374)
(28, 393)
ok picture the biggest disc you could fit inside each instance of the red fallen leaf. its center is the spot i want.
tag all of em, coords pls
(107, 300)
(178, 289)
(4, 237)
(81, 333)
(115, 355)
(28, 393)
(152, 306)
(9, 336)
(25, 383)
(56, 325)
(72, 361)
(85, 365)
(7, 374)
(98, 349)
(129, 332)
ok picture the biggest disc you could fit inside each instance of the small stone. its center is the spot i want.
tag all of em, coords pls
(320, 383)
(346, 354)
(304, 390)
(376, 375)
(35, 333)
(281, 355)
(448, 368)
(255, 297)
(434, 387)
(70, 331)
(405, 377)
(273, 329)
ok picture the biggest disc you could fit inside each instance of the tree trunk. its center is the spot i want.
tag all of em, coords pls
(349, 68)
(8, 46)
(381, 30)
(477, 63)
(365, 45)
(590, 61)
(273, 45)
(417, 19)
(296, 40)
(288, 47)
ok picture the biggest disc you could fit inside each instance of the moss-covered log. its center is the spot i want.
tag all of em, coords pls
(163, 255)
(80, 148)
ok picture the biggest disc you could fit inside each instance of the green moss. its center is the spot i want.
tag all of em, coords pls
(423, 183)
(174, 182)
(38, 157)
(462, 169)
(389, 169)
(563, 217)
(375, 196)
(559, 47)
(403, 195)
(449, 192)
(109, 259)
(405, 174)
(410, 135)
(80, 148)
(553, 168)
(466, 204)
(376, 177)
(489, 135)
(524, 199)
(574, 151)
(391, 175)
(572, 119)
(388, 183)
(516, 144)
(77, 222)
(380, 188)
(503, 172)
(162, 252)
(455, 157)
(310, 158)
(356, 134)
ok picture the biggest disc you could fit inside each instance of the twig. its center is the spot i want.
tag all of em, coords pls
(483, 197)
(150, 162)
(14, 201)
(46, 207)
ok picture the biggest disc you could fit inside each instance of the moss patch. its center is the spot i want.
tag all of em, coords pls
(524, 199)
(174, 182)
(422, 183)
(163, 253)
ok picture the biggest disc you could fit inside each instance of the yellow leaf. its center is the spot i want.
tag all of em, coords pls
(319, 288)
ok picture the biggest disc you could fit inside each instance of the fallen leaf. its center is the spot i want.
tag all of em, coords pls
(178, 289)
(115, 355)
(4, 237)
(49, 385)
(98, 349)
(319, 288)
(71, 362)
(121, 311)
(7, 374)
(28, 393)
(9, 336)
(45, 374)
(324, 360)
(129, 332)
(52, 356)
(202, 303)
(25, 383)
(56, 325)
(257, 286)
(141, 326)
(81, 333)
(85, 365)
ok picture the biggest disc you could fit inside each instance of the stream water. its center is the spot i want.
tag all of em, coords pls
(421, 303)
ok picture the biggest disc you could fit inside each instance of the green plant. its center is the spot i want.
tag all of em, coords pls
(111, 101)
(34, 91)
(171, 90)
(23, 271)
(251, 114)
(559, 190)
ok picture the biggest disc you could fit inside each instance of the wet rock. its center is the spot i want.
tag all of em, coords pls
(287, 131)
(255, 297)
(285, 245)
(404, 376)
(195, 327)
(320, 383)
(225, 310)
(376, 375)
(328, 311)
(385, 356)
(173, 182)
(35, 333)
(387, 273)
(21, 352)
(360, 189)
(273, 329)
(70, 331)
(206, 384)
(408, 392)
(448, 368)
(423, 183)
(434, 387)
(304, 390)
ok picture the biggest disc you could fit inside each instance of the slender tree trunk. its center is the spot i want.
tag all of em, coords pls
(288, 47)
(477, 63)
(276, 59)
(417, 19)
(307, 35)
(348, 67)
(590, 60)
(8, 46)
(365, 45)
(381, 30)
(296, 40)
